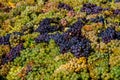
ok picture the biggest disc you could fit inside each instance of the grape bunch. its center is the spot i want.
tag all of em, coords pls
(109, 34)
(65, 6)
(98, 19)
(75, 28)
(116, 12)
(117, 0)
(90, 8)
(42, 38)
(14, 52)
(45, 26)
(71, 40)
(79, 46)
(62, 41)
(5, 39)
(82, 48)
(118, 35)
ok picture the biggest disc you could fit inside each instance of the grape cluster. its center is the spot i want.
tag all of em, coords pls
(98, 19)
(109, 34)
(117, 0)
(75, 29)
(90, 8)
(14, 52)
(65, 6)
(82, 48)
(62, 41)
(5, 39)
(71, 40)
(45, 26)
(118, 35)
(116, 12)
(42, 38)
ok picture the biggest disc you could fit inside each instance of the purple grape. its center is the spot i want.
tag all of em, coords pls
(97, 9)
(117, 0)
(82, 48)
(90, 8)
(118, 35)
(46, 21)
(116, 12)
(98, 19)
(65, 6)
(71, 40)
(42, 38)
(14, 52)
(108, 34)
(45, 26)
(5, 39)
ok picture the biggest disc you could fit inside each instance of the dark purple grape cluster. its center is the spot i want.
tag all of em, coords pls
(75, 29)
(116, 12)
(98, 19)
(62, 41)
(5, 39)
(90, 8)
(82, 48)
(79, 46)
(65, 6)
(14, 52)
(71, 40)
(109, 34)
(117, 0)
(118, 35)
(46, 27)
(42, 38)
